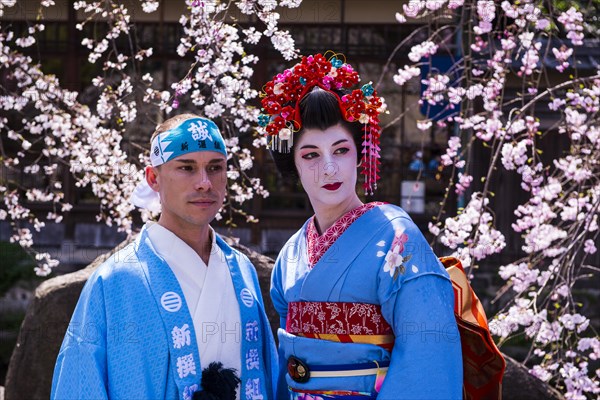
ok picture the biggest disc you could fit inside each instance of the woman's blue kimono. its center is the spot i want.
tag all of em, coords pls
(132, 337)
(382, 259)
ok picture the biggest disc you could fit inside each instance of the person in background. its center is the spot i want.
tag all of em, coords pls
(416, 163)
(435, 166)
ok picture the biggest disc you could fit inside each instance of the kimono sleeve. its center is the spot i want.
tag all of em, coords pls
(81, 371)
(280, 304)
(277, 296)
(417, 300)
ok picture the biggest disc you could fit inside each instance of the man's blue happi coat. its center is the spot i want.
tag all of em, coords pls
(372, 262)
(132, 337)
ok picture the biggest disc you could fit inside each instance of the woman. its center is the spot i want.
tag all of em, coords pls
(366, 308)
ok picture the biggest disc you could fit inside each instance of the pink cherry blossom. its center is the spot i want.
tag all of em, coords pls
(464, 181)
(424, 49)
(405, 74)
(573, 23)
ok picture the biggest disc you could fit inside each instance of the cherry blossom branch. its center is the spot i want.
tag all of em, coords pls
(509, 45)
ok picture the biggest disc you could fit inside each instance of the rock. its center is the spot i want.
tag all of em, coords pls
(42, 332)
(49, 313)
(519, 384)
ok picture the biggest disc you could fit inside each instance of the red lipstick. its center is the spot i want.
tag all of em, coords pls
(332, 186)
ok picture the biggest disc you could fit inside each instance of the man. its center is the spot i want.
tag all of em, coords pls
(164, 308)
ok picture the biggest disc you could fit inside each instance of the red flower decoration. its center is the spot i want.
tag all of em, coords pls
(280, 107)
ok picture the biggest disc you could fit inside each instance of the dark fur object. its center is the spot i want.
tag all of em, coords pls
(218, 383)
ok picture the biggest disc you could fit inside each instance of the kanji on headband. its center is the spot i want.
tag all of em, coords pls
(194, 134)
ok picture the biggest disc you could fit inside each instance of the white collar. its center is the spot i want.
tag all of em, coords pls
(167, 244)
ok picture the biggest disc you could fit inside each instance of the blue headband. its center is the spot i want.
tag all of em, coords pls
(195, 134)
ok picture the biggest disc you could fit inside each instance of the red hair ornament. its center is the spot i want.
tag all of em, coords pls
(280, 117)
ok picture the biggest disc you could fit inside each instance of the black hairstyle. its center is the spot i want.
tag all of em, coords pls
(319, 109)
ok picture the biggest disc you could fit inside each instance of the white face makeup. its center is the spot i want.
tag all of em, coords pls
(326, 162)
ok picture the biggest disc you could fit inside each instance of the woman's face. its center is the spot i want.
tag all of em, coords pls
(326, 163)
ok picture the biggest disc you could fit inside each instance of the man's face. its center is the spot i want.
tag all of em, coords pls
(191, 187)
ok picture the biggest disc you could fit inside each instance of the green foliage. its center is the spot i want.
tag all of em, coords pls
(564, 5)
(589, 8)
(10, 323)
(16, 265)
